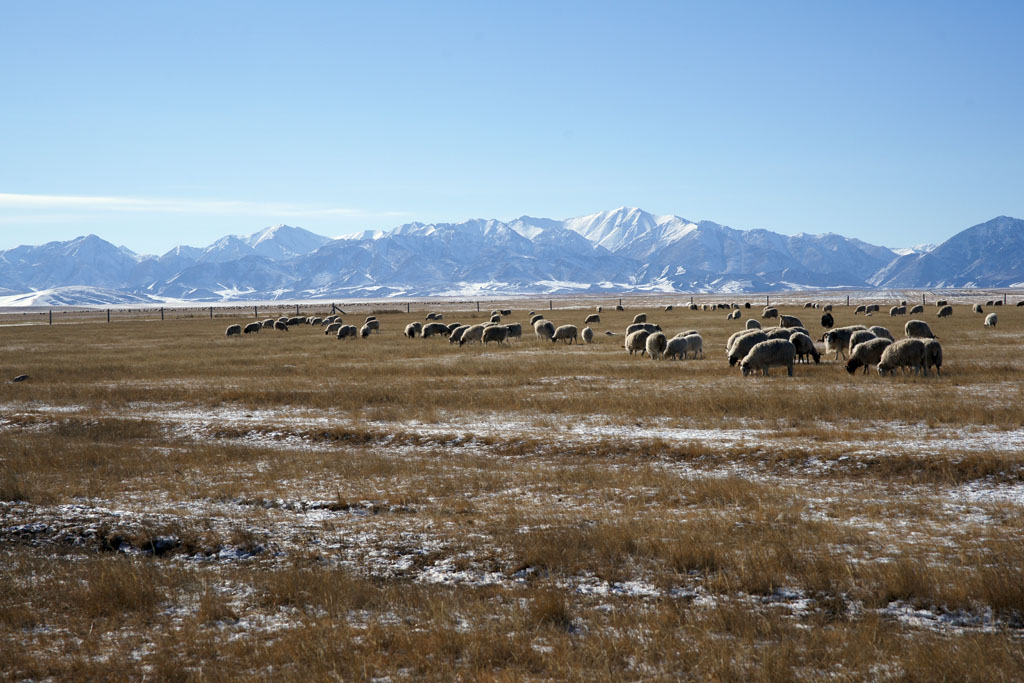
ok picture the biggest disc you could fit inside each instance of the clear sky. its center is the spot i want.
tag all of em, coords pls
(153, 124)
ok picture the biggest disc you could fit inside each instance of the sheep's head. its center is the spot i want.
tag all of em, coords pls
(852, 365)
(745, 368)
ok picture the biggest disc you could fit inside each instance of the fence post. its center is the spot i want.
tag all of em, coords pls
(767, 301)
(211, 312)
(161, 312)
(406, 306)
(51, 317)
(551, 306)
(477, 306)
(255, 312)
(108, 315)
(847, 299)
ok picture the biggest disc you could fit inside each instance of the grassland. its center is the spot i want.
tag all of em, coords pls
(175, 504)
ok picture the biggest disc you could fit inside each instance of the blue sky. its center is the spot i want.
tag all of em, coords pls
(156, 124)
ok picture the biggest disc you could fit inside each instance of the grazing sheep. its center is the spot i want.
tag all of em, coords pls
(252, 327)
(592, 318)
(369, 318)
(588, 335)
(566, 333)
(297, 320)
(328, 320)
(742, 345)
(873, 308)
(804, 347)
(991, 319)
(734, 315)
(639, 318)
(650, 327)
(333, 328)
(268, 323)
(452, 326)
(233, 330)
(413, 329)
(978, 308)
(918, 328)
(860, 309)
(694, 343)
(544, 329)
(348, 332)
(314, 321)
(676, 347)
(769, 354)
(687, 333)
(808, 304)
(599, 309)
(791, 330)
(619, 307)
(945, 311)
(515, 330)
(827, 308)
(903, 353)
(860, 336)
(496, 318)
(637, 341)
(534, 319)
(778, 332)
(669, 307)
(990, 302)
(880, 331)
(495, 333)
(770, 313)
(837, 340)
(473, 333)
(693, 307)
(505, 311)
(456, 335)
(917, 309)
(867, 354)
(789, 321)
(897, 310)
(365, 330)
(753, 324)
(827, 321)
(997, 302)
(282, 326)
(430, 329)
(656, 344)
(941, 302)
(372, 325)
(933, 356)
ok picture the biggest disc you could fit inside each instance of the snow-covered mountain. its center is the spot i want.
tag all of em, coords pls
(624, 249)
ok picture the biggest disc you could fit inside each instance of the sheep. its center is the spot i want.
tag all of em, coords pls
(743, 344)
(314, 321)
(808, 304)
(880, 331)
(505, 311)
(496, 318)
(588, 335)
(990, 302)
(827, 308)
(827, 321)
(918, 328)
(793, 330)
(639, 318)
(746, 305)
(592, 318)
(334, 327)
(534, 319)
(804, 347)
(860, 336)
(268, 324)
(897, 310)
(544, 329)
(693, 307)
(430, 329)
(495, 333)
(656, 344)
(978, 308)
(753, 324)
(515, 330)
(789, 321)
(860, 309)
(347, 332)
(903, 353)
(452, 326)
(372, 326)
(867, 354)
(650, 327)
(599, 309)
(873, 308)
(456, 334)
(637, 341)
(991, 319)
(435, 316)
(669, 307)
(837, 340)
(369, 318)
(778, 332)
(768, 354)
(233, 330)
(941, 302)
(328, 320)
(933, 356)
(997, 302)
(687, 333)
(619, 307)
(735, 315)
(413, 329)
(365, 330)
(945, 312)
(917, 309)
(695, 343)
(770, 313)
(282, 326)
(676, 347)
(473, 333)
(566, 333)
(252, 327)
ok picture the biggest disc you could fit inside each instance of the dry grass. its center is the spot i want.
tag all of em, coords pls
(178, 505)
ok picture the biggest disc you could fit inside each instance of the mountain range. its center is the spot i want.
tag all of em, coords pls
(623, 250)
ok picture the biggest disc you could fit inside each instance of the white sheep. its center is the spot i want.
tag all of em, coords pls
(515, 330)
(860, 336)
(268, 323)
(769, 354)
(933, 356)
(991, 319)
(676, 348)
(588, 335)
(735, 315)
(978, 308)
(804, 347)
(837, 340)
(640, 318)
(867, 354)
(566, 333)
(495, 333)
(372, 326)
(907, 352)
(544, 329)
(348, 332)
(592, 318)
(473, 333)
(753, 324)
(430, 329)
(637, 341)
(456, 335)
(365, 330)
(281, 326)
(252, 327)
(790, 321)
(880, 331)
(742, 345)
(918, 328)
(694, 343)
(655, 345)
(945, 311)
(917, 309)
(233, 330)
(413, 329)
(535, 318)
(770, 313)
(332, 328)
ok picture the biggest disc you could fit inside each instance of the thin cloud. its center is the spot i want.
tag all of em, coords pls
(199, 206)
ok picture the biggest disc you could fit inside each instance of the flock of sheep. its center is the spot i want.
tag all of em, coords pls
(753, 348)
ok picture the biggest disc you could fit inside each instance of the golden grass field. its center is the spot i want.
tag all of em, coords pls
(176, 504)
